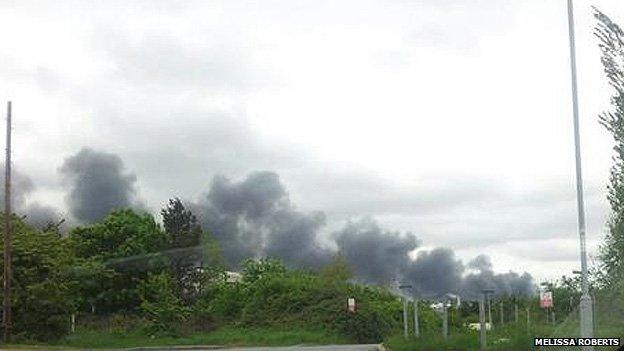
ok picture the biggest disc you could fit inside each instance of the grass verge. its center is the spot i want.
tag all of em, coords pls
(507, 338)
(228, 336)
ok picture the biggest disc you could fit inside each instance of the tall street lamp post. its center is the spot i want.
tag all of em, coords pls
(405, 332)
(586, 302)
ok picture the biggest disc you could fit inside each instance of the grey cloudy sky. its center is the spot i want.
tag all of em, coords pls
(449, 119)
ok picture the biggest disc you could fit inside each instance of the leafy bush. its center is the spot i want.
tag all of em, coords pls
(163, 309)
(378, 314)
(120, 250)
(220, 303)
(43, 290)
(307, 300)
(264, 267)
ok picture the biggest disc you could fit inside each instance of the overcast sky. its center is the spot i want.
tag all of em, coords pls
(450, 119)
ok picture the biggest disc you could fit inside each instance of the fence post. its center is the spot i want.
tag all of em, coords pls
(482, 326)
(445, 322)
(405, 317)
(416, 324)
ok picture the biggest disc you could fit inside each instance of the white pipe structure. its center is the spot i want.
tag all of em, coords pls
(405, 317)
(586, 322)
(405, 305)
(416, 323)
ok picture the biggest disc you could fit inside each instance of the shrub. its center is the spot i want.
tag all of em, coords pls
(219, 303)
(163, 309)
(43, 291)
(307, 300)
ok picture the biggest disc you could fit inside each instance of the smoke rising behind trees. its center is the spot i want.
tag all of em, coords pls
(97, 185)
(22, 187)
(254, 217)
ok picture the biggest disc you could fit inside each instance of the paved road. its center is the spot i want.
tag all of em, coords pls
(371, 347)
(365, 347)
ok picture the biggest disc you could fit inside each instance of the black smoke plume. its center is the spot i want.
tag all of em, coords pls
(21, 187)
(255, 217)
(376, 255)
(35, 213)
(98, 185)
(435, 272)
(39, 215)
(483, 276)
(292, 236)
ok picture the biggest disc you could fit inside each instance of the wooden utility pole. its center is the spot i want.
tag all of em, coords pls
(6, 315)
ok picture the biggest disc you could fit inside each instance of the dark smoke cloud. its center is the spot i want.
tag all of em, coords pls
(256, 198)
(40, 215)
(293, 237)
(98, 185)
(21, 187)
(254, 217)
(480, 263)
(36, 214)
(510, 283)
(376, 255)
(435, 272)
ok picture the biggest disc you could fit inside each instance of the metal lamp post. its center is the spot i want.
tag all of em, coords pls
(445, 306)
(405, 332)
(586, 302)
(482, 325)
(416, 322)
(593, 301)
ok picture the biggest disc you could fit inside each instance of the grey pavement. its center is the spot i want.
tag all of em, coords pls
(368, 347)
(360, 347)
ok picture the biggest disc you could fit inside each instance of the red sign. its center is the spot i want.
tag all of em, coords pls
(546, 299)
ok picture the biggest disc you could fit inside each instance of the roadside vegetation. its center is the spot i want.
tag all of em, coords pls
(229, 336)
(128, 280)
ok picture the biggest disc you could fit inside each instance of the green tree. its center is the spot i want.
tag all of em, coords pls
(611, 43)
(164, 310)
(180, 225)
(122, 234)
(118, 252)
(44, 291)
(193, 255)
(185, 255)
(255, 269)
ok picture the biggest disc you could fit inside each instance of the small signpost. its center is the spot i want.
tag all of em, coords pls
(351, 306)
(546, 300)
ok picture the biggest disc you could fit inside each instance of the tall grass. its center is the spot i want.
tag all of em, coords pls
(228, 336)
(511, 337)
